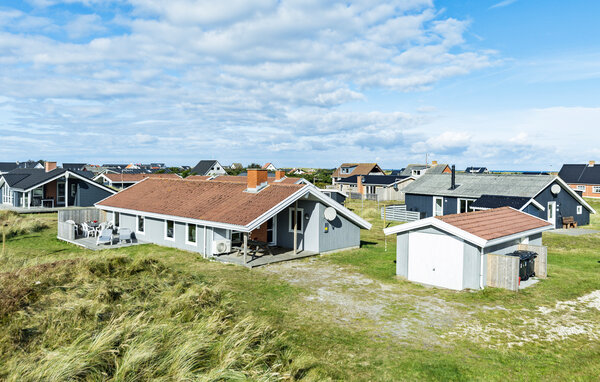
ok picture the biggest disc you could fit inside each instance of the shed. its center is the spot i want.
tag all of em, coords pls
(451, 251)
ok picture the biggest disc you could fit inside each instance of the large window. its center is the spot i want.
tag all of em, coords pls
(296, 217)
(169, 230)
(596, 189)
(191, 234)
(141, 224)
(464, 205)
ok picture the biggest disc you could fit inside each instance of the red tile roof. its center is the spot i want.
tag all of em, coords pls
(242, 179)
(137, 177)
(494, 223)
(197, 177)
(223, 202)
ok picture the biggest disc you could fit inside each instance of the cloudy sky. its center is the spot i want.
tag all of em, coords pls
(510, 84)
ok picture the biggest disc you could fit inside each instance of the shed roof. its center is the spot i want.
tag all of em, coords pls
(8, 166)
(379, 180)
(482, 228)
(580, 174)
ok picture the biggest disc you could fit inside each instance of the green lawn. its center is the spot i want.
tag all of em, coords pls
(148, 312)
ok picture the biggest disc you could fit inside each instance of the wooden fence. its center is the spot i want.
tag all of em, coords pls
(541, 261)
(503, 271)
(399, 213)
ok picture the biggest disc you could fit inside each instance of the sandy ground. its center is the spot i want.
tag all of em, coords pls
(357, 301)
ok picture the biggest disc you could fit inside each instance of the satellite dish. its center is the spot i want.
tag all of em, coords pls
(330, 213)
(555, 189)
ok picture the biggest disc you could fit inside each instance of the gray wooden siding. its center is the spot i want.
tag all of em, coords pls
(86, 194)
(402, 254)
(341, 234)
(504, 248)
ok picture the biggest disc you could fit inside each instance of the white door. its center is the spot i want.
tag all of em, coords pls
(435, 260)
(552, 213)
(272, 231)
(438, 206)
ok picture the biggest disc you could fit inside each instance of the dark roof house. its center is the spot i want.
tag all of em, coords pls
(548, 197)
(584, 178)
(208, 167)
(349, 169)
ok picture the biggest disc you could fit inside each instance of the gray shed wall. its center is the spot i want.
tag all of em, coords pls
(402, 254)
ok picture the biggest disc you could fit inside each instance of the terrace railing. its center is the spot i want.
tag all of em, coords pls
(399, 213)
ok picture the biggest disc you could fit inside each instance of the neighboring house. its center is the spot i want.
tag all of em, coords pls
(295, 171)
(477, 170)
(336, 195)
(584, 178)
(31, 164)
(209, 167)
(545, 196)
(386, 187)
(269, 167)
(236, 166)
(416, 170)
(50, 187)
(7, 167)
(125, 180)
(212, 217)
(452, 251)
(75, 166)
(354, 169)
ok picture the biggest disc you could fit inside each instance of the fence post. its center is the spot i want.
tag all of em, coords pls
(384, 235)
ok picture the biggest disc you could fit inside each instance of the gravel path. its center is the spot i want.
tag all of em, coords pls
(358, 301)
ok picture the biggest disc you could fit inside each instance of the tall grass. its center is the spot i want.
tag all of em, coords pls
(115, 318)
(13, 224)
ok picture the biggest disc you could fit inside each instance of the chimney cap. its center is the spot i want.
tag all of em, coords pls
(592, 163)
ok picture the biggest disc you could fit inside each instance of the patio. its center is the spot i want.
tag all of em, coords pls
(277, 254)
(90, 243)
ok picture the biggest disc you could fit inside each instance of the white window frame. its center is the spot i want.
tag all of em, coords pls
(166, 229)
(596, 189)
(291, 223)
(434, 199)
(579, 210)
(137, 224)
(458, 204)
(187, 234)
(580, 188)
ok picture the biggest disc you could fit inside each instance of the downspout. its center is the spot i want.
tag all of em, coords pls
(481, 269)
(204, 254)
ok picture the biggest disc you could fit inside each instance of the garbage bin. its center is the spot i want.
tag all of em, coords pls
(526, 263)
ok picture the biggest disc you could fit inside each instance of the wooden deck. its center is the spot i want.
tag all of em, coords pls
(90, 243)
(278, 254)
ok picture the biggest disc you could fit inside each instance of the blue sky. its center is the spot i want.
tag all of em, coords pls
(504, 84)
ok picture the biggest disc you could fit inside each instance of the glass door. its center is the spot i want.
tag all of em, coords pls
(60, 193)
(272, 231)
(438, 206)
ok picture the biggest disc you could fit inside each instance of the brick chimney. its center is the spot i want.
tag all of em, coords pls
(434, 163)
(49, 166)
(257, 179)
(359, 185)
(592, 163)
(279, 174)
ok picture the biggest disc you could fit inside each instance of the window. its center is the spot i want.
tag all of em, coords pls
(73, 189)
(169, 230)
(191, 234)
(596, 189)
(579, 210)
(141, 222)
(117, 219)
(38, 192)
(464, 205)
(416, 172)
(298, 215)
(580, 188)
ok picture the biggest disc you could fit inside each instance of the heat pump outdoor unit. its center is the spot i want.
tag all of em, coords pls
(221, 246)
